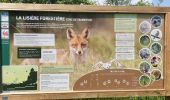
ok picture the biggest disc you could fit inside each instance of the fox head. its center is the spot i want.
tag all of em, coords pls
(78, 43)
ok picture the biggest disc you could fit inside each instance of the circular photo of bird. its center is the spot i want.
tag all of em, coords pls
(156, 74)
(145, 40)
(144, 67)
(156, 21)
(156, 48)
(145, 27)
(144, 53)
(144, 80)
(155, 61)
(156, 35)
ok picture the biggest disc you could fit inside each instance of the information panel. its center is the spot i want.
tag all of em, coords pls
(55, 51)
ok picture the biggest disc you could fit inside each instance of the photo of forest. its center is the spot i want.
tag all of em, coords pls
(23, 78)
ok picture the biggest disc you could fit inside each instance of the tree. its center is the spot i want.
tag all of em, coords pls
(143, 3)
(87, 2)
(118, 2)
(4, 1)
(128, 3)
(32, 78)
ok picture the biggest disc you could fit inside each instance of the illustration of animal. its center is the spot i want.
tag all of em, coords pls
(108, 65)
(78, 45)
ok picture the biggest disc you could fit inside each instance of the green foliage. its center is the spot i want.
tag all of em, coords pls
(118, 2)
(128, 3)
(86, 2)
(143, 3)
(128, 98)
(4, 1)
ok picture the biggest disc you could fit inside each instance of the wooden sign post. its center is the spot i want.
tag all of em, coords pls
(76, 51)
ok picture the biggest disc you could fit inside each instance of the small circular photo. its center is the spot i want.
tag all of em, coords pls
(144, 67)
(156, 48)
(156, 21)
(155, 61)
(156, 74)
(156, 35)
(145, 27)
(145, 40)
(145, 53)
(144, 80)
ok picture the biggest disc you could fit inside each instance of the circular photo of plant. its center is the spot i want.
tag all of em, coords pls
(144, 67)
(156, 74)
(155, 61)
(144, 53)
(156, 48)
(144, 80)
(156, 35)
(156, 21)
(145, 27)
(145, 40)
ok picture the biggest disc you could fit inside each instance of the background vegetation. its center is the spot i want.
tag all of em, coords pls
(86, 2)
(127, 98)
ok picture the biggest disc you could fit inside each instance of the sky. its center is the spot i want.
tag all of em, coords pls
(166, 3)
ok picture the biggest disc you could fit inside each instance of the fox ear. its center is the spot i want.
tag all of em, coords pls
(70, 33)
(86, 33)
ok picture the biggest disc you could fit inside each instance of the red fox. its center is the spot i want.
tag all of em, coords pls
(78, 45)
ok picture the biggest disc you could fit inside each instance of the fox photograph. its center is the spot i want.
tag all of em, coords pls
(78, 45)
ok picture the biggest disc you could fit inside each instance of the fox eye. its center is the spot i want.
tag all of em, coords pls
(74, 45)
(83, 45)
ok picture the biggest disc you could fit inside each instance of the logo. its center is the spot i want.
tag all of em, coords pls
(4, 25)
(5, 34)
(4, 16)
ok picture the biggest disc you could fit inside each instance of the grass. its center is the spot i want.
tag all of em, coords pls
(127, 98)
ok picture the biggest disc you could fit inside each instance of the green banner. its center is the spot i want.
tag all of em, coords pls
(0, 44)
(5, 38)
